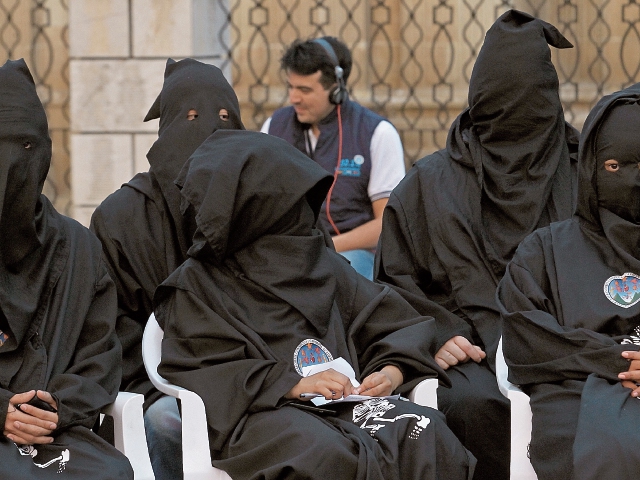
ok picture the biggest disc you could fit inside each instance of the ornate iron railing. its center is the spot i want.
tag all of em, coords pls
(36, 30)
(413, 58)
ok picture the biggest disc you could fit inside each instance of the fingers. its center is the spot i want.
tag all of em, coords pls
(458, 350)
(468, 349)
(441, 362)
(22, 397)
(335, 385)
(634, 360)
(635, 389)
(47, 418)
(24, 418)
(451, 354)
(329, 383)
(22, 428)
(631, 355)
(483, 355)
(375, 385)
(48, 398)
(24, 439)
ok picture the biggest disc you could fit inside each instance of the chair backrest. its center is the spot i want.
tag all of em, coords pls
(521, 468)
(196, 457)
(151, 353)
(502, 371)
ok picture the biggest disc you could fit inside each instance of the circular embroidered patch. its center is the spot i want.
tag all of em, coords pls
(623, 290)
(310, 352)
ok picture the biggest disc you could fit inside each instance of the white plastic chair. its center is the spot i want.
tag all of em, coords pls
(129, 433)
(196, 457)
(426, 393)
(521, 468)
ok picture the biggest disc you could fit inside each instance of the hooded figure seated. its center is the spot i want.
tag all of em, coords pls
(570, 300)
(145, 237)
(262, 297)
(59, 354)
(454, 222)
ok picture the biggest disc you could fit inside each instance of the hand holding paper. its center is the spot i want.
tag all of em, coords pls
(376, 383)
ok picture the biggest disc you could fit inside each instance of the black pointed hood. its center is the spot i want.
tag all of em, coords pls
(25, 157)
(257, 199)
(514, 134)
(33, 247)
(188, 84)
(623, 235)
(242, 185)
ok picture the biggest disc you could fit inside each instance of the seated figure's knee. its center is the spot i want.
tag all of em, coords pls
(163, 416)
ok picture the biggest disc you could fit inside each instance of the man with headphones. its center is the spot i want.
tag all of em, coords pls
(360, 148)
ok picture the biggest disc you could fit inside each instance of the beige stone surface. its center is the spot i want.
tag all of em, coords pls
(162, 28)
(141, 144)
(114, 95)
(100, 164)
(99, 28)
(82, 214)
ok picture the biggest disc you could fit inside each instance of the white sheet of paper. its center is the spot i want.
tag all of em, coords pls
(351, 398)
(342, 366)
(339, 365)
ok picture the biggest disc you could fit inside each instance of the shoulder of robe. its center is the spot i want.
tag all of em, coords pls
(424, 174)
(130, 197)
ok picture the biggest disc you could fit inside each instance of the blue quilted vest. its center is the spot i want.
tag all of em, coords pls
(350, 205)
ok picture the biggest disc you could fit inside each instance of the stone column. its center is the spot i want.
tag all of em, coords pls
(118, 51)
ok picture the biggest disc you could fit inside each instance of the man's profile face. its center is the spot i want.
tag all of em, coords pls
(308, 97)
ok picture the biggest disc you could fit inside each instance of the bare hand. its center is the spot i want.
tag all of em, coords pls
(631, 376)
(26, 424)
(329, 383)
(382, 383)
(458, 350)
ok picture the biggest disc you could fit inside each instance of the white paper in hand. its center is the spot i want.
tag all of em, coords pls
(342, 366)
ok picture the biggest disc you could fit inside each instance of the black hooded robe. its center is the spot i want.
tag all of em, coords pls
(143, 232)
(569, 300)
(259, 297)
(455, 220)
(57, 304)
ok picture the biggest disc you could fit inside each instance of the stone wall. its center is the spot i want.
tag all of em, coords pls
(412, 62)
(118, 51)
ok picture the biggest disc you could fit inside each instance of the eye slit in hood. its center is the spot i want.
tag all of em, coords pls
(587, 206)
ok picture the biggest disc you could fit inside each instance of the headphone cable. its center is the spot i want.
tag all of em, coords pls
(335, 173)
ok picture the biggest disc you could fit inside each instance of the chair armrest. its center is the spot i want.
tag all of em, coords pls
(196, 457)
(425, 393)
(129, 433)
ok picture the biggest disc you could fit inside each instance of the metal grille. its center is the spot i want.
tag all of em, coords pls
(413, 58)
(36, 30)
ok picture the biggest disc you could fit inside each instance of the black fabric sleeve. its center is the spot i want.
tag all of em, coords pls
(224, 364)
(135, 274)
(5, 396)
(536, 347)
(402, 260)
(91, 381)
(386, 330)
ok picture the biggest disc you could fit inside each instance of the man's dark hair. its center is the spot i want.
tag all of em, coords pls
(305, 57)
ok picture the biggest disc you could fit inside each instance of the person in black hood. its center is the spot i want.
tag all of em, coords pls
(59, 353)
(145, 235)
(570, 301)
(260, 297)
(454, 222)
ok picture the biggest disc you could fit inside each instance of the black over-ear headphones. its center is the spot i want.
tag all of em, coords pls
(338, 94)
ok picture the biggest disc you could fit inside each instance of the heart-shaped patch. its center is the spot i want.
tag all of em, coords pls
(623, 290)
